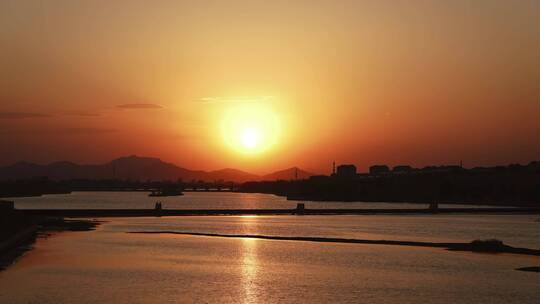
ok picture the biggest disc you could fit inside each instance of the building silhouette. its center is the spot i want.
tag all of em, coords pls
(379, 170)
(402, 169)
(346, 171)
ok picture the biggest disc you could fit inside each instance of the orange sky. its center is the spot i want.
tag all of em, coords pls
(363, 82)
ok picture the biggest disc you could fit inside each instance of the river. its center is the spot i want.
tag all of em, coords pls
(111, 265)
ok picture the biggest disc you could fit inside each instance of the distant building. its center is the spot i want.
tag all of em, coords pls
(346, 171)
(379, 169)
(402, 169)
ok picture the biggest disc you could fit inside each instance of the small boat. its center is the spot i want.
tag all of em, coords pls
(166, 192)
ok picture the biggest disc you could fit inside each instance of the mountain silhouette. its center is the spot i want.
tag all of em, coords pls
(229, 174)
(288, 174)
(135, 168)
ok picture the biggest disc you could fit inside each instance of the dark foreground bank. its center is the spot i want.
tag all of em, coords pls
(19, 231)
(21, 241)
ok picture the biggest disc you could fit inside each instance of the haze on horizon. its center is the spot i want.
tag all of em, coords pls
(363, 82)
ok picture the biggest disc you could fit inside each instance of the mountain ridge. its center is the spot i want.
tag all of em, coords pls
(135, 167)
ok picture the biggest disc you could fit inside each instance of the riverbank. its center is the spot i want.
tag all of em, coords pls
(19, 231)
(16, 245)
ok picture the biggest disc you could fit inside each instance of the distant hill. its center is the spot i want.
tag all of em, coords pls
(229, 174)
(135, 168)
(288, 174)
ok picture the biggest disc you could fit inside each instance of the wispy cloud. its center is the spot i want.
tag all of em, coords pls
(139, 106)
(235, 99)
(22, 115)
(89, 130)
(83, 114)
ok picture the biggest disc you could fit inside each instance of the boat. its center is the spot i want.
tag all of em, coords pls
(165, 192)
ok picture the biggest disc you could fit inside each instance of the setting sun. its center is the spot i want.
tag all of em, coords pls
(250, 128)
(250, 138)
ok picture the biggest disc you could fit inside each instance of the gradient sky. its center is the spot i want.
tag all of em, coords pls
(363, 82)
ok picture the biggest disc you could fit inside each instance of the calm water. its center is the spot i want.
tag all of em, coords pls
(110, 265)
(203, 200)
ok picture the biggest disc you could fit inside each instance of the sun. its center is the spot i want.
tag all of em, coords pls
(250, 128)
(250, 138)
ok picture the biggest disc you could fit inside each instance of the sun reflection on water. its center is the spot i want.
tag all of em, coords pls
(249, 270)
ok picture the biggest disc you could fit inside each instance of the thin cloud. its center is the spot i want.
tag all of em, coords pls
(89, 130)
(139, 106)
(235, 99)
(83, 114)
(22, 115)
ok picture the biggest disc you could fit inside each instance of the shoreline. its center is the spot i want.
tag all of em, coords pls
(15, 246)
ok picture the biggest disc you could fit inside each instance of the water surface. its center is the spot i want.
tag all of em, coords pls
(110, 265)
